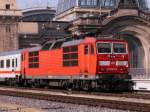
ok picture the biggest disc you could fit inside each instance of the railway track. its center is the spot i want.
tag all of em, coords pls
(136, 94)
(108, 100)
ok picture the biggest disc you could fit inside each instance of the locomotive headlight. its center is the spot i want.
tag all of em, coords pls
(104, 63)
(122, 63)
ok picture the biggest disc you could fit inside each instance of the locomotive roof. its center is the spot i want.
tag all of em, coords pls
(34, 49)
(72, 43)
(10, 53)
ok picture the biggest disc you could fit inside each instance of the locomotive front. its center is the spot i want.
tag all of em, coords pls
(112, 57)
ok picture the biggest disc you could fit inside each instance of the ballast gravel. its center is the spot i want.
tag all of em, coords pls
(46, 106)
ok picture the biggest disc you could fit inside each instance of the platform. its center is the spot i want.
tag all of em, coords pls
(142, 84)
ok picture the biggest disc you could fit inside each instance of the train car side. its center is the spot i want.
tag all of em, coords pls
(10, 66)
(72, 60)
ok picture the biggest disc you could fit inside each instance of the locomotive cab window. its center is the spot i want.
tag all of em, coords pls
(104, 48)
(119, 48)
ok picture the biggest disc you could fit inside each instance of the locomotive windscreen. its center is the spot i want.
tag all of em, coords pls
(104, 47)
(119, 48)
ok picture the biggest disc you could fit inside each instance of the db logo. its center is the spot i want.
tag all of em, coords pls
(113, 63)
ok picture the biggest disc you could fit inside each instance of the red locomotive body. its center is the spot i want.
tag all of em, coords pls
(76, 59)
(113, 57)
(76, 63)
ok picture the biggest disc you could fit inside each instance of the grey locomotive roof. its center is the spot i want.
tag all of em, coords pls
(10, 53)
(34, 49)
(72, 43)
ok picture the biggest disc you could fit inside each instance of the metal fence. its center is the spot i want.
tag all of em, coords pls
(140, 73)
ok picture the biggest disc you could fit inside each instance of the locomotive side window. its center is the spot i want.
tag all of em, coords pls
(70, 56)
(34, 59)
(92, 49)
(119, 48)
(86, 49)
(66, 50)
(104, 47)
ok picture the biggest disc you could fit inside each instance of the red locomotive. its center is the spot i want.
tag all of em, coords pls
(79, 63)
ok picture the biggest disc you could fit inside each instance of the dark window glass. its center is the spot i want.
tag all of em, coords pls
(8, 29)
(66, 56)
(34, 59)
(47, 46)
(74, 63)
(66, 63)
(74, 48)
(66, 49)
(119, 48)
(7, 6)
(36, 53)
(2, 64)
(8, 63)
(22, 58)
(16, 62)
(74, 56)
(13, 63)
(92, 49)
(34, 65)
(86, 49)
(70, 56)
(104, 47)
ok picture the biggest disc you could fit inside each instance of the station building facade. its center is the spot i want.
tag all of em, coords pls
(69, 10)
(9, 19)
(37, 26)
(127, 19)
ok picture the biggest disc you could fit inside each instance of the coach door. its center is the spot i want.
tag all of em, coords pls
(88, 61)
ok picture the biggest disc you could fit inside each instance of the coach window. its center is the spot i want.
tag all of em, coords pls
(2, 64)
(86, 49)
(13, 63)
(8, 63)
(16, 62)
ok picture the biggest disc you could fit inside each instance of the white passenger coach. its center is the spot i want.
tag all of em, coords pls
(10, 64)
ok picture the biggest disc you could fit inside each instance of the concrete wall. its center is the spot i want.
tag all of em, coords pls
(12, 4)
(28, 28)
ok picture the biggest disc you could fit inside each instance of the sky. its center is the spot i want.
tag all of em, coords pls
(22, 4)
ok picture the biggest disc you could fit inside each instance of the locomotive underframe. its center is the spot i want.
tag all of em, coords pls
(109, 82)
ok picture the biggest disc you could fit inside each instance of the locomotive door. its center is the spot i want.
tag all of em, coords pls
(88, 51)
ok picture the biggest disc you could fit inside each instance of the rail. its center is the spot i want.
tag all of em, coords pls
(115, 102)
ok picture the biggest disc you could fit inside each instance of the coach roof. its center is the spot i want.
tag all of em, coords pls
(10, 53)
